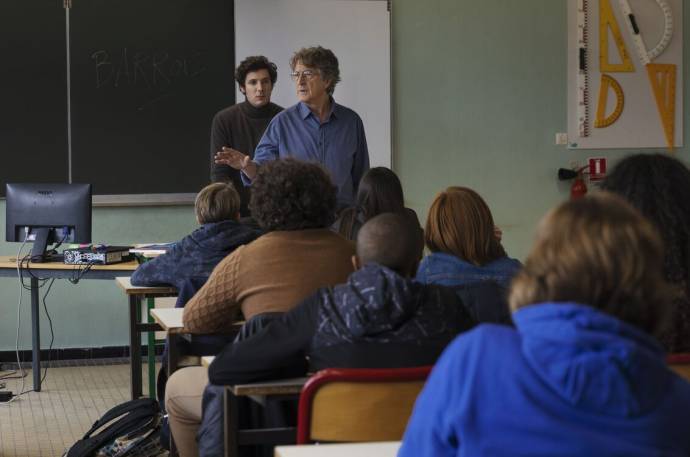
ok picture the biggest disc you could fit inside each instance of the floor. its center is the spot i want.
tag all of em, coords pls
(44, 424)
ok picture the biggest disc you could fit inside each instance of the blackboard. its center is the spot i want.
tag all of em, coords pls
(146, 79)
(33, 111)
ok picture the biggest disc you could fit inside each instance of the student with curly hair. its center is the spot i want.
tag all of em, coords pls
(581, 374)
(240, 126)
(294, 202)
(315, 129)
(659, 186)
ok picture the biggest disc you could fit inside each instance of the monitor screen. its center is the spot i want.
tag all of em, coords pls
(48, 213)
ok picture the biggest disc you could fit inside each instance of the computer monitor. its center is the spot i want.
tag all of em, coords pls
(47, 214)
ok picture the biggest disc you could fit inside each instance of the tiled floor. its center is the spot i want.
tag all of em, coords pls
(72, 398)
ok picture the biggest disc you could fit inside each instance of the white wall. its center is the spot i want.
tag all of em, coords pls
(357, 31)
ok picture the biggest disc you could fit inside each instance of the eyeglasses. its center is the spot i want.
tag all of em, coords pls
(308, 75)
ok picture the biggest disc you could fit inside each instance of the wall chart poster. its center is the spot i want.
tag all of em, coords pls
(625, 74)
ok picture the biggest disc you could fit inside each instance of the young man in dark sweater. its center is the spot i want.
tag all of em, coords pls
(380, 318)
(240, 126)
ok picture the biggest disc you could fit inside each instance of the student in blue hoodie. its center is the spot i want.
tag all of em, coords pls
(217, 210)
(581, 375)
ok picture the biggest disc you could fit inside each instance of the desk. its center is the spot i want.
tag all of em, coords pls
(136, 327)
(58, 270)
(381, 449)
(170, 320)
(236, 437)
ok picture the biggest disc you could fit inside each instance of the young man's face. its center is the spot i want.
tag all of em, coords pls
(257, 88)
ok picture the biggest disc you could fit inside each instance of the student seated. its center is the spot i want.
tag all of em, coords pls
(581, 375)
(294, 202)
(379, 318)
(379, 192)
(217, 210)
(659, 186)
(466, 253)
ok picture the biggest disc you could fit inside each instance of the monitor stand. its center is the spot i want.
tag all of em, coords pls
(38, 252)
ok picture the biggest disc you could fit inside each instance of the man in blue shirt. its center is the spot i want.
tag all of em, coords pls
(316, 129)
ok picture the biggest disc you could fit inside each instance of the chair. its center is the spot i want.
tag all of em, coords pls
(350, 405)
(680, 363)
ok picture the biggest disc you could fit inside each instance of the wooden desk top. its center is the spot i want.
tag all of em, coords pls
(280, 387)
(382, 449)
(8, 262)
(207, 360)
(161, 291)
(168, 318)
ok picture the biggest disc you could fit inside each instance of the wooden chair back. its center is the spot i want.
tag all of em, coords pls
(352, 405)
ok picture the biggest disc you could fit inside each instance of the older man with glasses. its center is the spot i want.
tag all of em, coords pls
(316, 129)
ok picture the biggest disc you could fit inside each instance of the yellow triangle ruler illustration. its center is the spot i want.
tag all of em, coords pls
(608, 21)
(602, 120)
(644, 55)
(663, 80)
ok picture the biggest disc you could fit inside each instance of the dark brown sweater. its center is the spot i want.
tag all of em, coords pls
(240, 127)
(272, 274)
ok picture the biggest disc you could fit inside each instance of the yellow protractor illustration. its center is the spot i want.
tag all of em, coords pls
(602, 120)
(608, 21)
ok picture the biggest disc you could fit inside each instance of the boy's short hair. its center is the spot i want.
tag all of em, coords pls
(217, 202)
(391, 240)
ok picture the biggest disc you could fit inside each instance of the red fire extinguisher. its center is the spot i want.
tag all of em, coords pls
(579, 188)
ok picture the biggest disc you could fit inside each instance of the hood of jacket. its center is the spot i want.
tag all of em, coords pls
(377, 304)
(223, 236)
(593, 360)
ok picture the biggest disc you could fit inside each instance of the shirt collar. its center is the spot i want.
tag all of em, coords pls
(304, 110)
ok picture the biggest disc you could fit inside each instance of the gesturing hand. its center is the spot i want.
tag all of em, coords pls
(235, 159)
(232, 157)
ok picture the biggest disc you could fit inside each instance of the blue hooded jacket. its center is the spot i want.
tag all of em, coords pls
(194, 256)
(569, 381)
(449, 270)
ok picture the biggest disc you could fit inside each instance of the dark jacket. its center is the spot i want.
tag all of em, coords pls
(378, 319)
(195, 255)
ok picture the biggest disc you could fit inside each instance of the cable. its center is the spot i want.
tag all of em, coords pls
(52, 334)
(19, 318)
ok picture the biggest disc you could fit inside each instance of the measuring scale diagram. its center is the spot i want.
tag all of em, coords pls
(609, 78)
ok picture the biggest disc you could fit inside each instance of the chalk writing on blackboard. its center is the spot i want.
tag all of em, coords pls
(152, 69)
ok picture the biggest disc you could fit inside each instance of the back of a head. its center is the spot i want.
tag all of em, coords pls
(217, 202)
(460, 223)
(390, 240)
(380, 192)
(288, 194)
(597, 251)
(659, 186)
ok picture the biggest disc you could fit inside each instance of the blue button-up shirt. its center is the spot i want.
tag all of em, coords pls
(339, 144)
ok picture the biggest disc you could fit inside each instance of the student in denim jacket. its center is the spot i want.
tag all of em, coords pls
(466, 251)
(217, 209)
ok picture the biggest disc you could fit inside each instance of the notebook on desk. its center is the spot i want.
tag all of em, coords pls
(151, 249)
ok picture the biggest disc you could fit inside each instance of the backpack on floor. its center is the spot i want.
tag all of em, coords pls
(127, 430)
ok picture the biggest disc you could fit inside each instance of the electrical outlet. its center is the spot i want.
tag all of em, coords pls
(561, 138)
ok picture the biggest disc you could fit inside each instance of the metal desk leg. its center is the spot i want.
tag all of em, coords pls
(151, 349)
(135, 346)
(231, 415)
(35, 335)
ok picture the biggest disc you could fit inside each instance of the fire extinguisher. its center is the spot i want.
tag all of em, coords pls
(579, 188)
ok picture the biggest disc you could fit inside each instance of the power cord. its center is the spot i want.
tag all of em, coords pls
(22, 287)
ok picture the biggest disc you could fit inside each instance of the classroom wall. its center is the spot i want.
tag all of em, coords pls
(479, 93)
